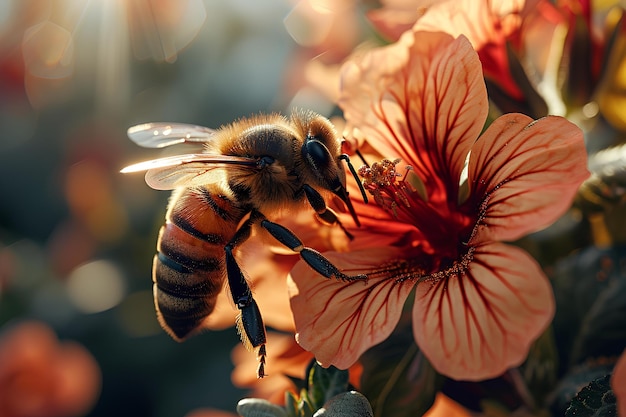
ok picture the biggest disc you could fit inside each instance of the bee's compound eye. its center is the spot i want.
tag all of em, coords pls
(265, 161)
(316, 153)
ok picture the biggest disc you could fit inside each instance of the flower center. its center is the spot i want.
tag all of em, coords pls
(445, 228)
(381, 179)
(415, 269)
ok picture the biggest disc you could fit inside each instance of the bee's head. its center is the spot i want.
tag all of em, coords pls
(321, 151)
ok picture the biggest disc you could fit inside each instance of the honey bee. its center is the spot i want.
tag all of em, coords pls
(247, 172)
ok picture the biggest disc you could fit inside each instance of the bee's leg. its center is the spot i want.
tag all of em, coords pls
(250, 322)
(316, 260)
(321, 210)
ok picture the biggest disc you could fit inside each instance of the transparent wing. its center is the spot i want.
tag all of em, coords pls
(187, 170)
(162, 134)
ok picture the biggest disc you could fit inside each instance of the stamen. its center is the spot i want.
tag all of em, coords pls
(400, 270)
(404, 269)
(383, 182)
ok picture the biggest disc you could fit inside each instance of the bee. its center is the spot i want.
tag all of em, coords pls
(247, 172)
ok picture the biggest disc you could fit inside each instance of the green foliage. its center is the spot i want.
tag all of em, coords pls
(595, 400)
(397, 378)
(325, 384)
(578, 281)
(326, 393)
(540, 368)
(589, 327)
(576, 380)
(603, 331)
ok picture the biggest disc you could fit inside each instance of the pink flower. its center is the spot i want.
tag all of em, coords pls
(479, 303)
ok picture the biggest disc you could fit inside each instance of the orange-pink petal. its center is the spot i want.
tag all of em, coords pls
(336, 320)
(423, 100)
(618, 383)
(477, 323)
(526, 172)
(397, 16)
(487, 24)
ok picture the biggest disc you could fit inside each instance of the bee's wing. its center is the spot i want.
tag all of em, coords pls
(162, 134)
(187, 170)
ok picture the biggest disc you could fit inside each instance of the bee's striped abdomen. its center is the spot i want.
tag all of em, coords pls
(188, 269)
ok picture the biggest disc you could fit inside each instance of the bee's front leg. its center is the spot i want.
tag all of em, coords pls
(321, 210)
(316, 260)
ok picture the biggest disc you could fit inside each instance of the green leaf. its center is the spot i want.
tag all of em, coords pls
(575, 380)
(305, 406)
(595, 400)
(603, 331)
(505, 393)
(346, 404)
(397, 378)
(256, 407)
(578, 281)
(540, 368)
(325, 383)
(291, 404)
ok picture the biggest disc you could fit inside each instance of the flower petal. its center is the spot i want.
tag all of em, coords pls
(338, 320)
(526, 173)
(396, 16)
(477, 324)
(484, 23)
(285, 360)
(423, 100)
(488, 25)
(618, 383)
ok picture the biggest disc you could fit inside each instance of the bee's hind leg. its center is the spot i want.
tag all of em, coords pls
(250, 322)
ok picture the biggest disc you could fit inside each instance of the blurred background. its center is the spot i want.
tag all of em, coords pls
(76, 237)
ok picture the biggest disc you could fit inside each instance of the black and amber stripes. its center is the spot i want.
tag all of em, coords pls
(189, 269)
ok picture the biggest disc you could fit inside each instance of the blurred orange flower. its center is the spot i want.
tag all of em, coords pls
(446, 407)
(479, 303)
(487, 24)
(42, 377)
(618, 383)
(288, 360)
(209, 412)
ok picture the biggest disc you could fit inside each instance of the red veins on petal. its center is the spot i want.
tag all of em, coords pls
(477, 323)
(526, 173)
(428, 116)
(337, 320)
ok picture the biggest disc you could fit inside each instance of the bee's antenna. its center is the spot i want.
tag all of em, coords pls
(360, 155)
(354, 174)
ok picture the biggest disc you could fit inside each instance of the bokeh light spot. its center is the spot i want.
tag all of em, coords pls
(96, 286)
(307, 25)
(48, 51)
